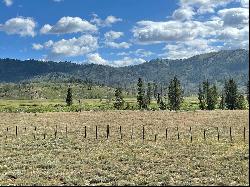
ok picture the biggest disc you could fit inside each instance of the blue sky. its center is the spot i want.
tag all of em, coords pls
(120, 32)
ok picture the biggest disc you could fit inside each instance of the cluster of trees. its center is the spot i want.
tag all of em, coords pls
(145, 96)
(230, 97)
(208, 96)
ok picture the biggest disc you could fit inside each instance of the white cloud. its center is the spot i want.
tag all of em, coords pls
(95, 58)
(205, 6)
(121, 45)
(187, 49)
(69, 25)
(19, 25)
(244, 3)
(72, 47)
(105, 23)
(149, 32)
(8, 2)
(138, 52)
(127, 61)
(183, 13)
(236, 17)
(112, 35)
(37, 46)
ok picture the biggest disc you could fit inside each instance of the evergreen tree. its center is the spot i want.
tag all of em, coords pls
(231, 94)
(212, 98)
(175, 94)
(222, 101)
(149, 93)
(240, 104)
(155, 90)
(201, 98)
(69, 99)
(158, 98)
(119, 102)
(206, 86)
(140, 95)
(162, 105)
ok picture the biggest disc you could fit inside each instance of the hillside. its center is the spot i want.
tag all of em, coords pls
(214, 66)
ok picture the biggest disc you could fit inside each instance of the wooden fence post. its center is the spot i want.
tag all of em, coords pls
(85, 132)
(155, 137)
(121, 132)
(178, 135)
(191, 136)
(143, 133)
(204, 134)
(230, 132)
(96, 132)
(166, 133)
(132, 131)
(218, 134)
(16, 131)
(66, 129)
(107, 131)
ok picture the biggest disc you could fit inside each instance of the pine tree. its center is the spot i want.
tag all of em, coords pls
(140, 95)
(149, 93)
(206, 86)
(69, 99)
(222, 102)
(201, 98)
(231, 94)
(175, 94)
(162, 105)
(212, 98)
(155, 90)
(158, 98)
(119, 102)
(240, 104)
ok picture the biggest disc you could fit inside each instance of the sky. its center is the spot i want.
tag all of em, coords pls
(120, 32)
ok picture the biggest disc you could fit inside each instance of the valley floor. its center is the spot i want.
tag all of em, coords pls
(51, 148)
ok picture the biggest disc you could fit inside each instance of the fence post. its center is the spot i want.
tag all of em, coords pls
(132, 131)
(218, 134)
(166, 133)
(7, 129)
(230, 132)
(96, 132)
(155, 137)
(16, 131)
(191, 136)
(204, 134)
(121, 132)
(85, 132)
(143, 133)
(178, 135)
(107, 131)
(56, 132)
(35, 133)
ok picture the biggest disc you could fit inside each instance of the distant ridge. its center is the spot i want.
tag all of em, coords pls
(215, 66)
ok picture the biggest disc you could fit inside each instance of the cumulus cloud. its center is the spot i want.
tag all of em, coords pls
(183, 13)
(123, 45)
(37, 46)
(95, 58)
(138, 53)
(8, 2)
(19, 25)
(72, 47)
(127, 61)
(205, 6)
(235, 17)
(112, 35)
(106, 22)
(69, 25)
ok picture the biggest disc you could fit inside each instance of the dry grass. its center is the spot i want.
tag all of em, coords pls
(74, 160)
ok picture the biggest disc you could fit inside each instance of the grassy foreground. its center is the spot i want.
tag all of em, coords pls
(71, 159)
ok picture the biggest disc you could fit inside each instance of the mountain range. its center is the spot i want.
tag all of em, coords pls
(214, 66)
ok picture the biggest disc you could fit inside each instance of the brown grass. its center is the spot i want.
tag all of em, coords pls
(73, 160)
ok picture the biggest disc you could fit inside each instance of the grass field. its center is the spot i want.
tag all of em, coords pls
(71, 159)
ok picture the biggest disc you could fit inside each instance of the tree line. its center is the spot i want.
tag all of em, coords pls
(208, 96)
